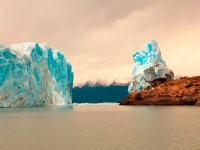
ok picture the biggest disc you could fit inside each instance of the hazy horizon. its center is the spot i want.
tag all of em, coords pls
(100, 37)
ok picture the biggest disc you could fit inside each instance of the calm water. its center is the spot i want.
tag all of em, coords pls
(100, 127)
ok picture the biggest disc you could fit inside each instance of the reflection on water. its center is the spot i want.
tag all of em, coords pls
(100, 127)
(36, 109)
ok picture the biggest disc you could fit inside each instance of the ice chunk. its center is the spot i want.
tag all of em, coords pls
(149, 68)
(33, 74)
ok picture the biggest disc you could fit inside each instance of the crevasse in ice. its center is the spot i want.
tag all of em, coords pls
(33, 74)
(149, 68)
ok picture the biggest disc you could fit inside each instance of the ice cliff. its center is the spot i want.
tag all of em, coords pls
(33, 74)
(149, 68)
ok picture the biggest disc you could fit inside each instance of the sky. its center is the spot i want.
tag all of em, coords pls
(99, 37)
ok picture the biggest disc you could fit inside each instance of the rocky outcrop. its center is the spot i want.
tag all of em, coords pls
(184, 91)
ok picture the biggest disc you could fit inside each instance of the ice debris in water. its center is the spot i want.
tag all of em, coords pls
(33, 74)
(149, 68)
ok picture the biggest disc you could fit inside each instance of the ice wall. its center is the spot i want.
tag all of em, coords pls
(149, 68)
(33, 74)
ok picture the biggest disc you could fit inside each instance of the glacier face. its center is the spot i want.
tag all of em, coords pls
(33, 75)
(149, 68)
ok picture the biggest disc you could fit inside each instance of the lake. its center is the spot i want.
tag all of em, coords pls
(100, 127)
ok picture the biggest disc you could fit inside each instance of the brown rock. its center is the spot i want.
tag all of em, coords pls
(197, 103)
(185, 91)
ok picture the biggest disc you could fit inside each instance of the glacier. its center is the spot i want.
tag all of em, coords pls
(34, 75)
(149, 68)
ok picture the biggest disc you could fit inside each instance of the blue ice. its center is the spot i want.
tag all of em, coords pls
(33, 75)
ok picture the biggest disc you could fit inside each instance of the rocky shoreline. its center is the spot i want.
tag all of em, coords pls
(184, 91)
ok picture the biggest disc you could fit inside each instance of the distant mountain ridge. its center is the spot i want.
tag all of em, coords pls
(100, 90)
(103, 82)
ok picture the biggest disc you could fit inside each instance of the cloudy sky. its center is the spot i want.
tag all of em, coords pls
(100, 36)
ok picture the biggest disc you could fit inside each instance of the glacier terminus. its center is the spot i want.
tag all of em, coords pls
(149, 68)
(34, 75)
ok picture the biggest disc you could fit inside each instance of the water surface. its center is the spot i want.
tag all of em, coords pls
(100, 127)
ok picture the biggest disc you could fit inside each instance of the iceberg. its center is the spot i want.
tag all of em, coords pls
(34, 75)
(149, 68)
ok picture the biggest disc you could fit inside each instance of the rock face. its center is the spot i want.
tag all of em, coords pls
(149, 68)
(184, 91)
(33, 74)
